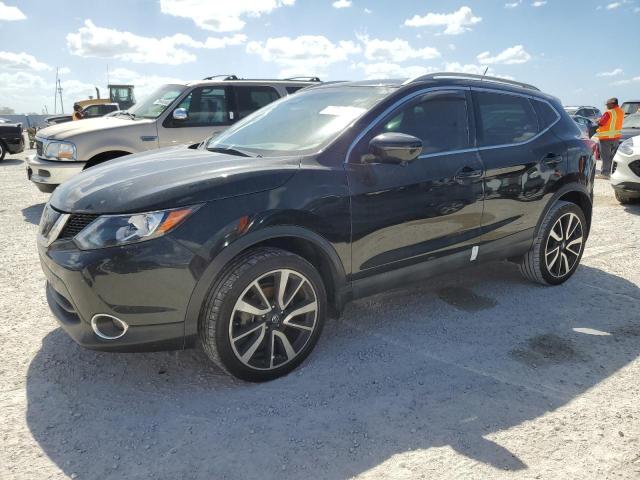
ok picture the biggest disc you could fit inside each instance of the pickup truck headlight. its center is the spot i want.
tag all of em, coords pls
(626, 147)
(60, 151)
(117, 230)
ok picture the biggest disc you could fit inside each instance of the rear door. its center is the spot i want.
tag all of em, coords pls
(432, 206)
(523, 159)
(249, 98)
(208, 112)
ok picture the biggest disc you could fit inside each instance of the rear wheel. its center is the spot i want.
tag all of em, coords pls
(3, 151)
(622, 198)
(558, 248)
(264, 315)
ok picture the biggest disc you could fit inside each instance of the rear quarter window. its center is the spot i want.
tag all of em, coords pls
(504, 119)
(547, 116)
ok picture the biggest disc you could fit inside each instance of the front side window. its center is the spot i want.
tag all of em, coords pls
(438, 119)
(249, 99)
(92, 111)
(205, 106)
(301, 123)
(156, 103)
(504, 119)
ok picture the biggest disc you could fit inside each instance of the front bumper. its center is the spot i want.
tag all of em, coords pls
(47, 174)
(623, 178)
(147, 285)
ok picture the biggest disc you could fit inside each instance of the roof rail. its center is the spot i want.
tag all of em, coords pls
(224, 77)
(304, 79)
(471, 76)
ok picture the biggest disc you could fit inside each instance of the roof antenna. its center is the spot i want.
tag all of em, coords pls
(485, 73)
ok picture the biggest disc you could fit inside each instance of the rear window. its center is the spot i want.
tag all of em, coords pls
(504, 119)
(547, 116)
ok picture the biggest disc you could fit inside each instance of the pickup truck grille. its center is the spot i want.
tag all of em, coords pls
(39, 148)
(75, 224)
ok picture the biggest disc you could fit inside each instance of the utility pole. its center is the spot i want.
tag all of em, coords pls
(60, 92)
(55, 95)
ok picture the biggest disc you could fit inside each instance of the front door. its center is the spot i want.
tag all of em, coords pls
(404, 214)
(208, 112)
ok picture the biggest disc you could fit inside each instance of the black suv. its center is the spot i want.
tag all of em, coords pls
(335, 193)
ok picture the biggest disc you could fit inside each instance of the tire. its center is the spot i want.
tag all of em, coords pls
(268, 341)
(3, 151)
(540, 264)
(622, 198)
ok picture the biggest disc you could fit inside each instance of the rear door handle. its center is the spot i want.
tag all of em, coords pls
(467, 173)
(552, 159)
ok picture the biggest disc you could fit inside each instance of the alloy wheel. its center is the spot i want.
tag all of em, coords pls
(273, 319)
(564, 245)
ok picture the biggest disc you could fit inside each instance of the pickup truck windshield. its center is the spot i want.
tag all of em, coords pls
(157, 102)
(301, 123)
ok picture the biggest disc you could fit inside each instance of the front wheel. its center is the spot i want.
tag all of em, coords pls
(264, 314)
(3, 151)
(558, 247)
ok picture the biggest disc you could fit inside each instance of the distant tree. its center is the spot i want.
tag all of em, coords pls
(7, 111)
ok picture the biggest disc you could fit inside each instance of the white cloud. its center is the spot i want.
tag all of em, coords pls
(613, 5)
(540, 3)
(341, 4)
(21, 61)
(613, 73)
(10, 13)
(93, 41)
(304, 55)
(513, 4)
(395, 51)
(21, 81)
(367, 10)
(64, 70)
(382, 70)
(510, 56)
(455, 23)
(144, 84)
(220, 16)
(628, 81)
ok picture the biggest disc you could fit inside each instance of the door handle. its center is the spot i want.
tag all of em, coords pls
(467, 173)
(552, 159)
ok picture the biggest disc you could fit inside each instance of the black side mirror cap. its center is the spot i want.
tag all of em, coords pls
(394, 147)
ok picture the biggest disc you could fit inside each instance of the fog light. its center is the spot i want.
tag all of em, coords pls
(108, 327)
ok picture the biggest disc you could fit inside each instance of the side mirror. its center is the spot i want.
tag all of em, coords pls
(180, 114)
(394, 147)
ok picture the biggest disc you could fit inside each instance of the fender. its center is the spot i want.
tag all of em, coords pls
(567, 188)
(240, 245)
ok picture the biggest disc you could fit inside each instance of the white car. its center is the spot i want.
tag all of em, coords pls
(625, 176)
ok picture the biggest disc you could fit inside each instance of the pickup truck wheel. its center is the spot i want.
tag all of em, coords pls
(558, 247)
(3, 151)
(264, 315)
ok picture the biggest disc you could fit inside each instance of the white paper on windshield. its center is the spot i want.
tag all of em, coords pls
(342, 111)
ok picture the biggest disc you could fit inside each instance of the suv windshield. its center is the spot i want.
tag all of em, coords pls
(630, 107)
(632, 121)
(300, 123)
(157, 102)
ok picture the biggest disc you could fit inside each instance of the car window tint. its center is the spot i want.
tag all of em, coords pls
(205, 106)
(547, 116)
(504, 119)
(250, 99)
(439, 120)
(291, 90)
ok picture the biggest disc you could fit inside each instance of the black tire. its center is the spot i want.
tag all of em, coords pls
(534, 265)
(622, 198)
(220, 316)
(3, 151)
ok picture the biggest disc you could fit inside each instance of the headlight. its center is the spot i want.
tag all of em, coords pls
(116, 230)
(60, 151)
(626, 147)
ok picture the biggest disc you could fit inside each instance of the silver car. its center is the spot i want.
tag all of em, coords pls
(173, 115)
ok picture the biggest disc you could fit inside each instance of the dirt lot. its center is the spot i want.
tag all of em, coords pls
(473, 375)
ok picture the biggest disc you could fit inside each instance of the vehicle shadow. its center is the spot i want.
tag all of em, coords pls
(447, 363)
(633, 208)
(33, 213)
(10, 161)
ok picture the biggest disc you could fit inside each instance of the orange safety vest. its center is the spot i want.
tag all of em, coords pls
(612, 130)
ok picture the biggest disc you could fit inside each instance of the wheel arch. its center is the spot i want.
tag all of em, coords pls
(573, 193)
(105, 156)
(309, 245)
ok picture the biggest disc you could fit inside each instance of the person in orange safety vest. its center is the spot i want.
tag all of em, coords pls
(609, 134)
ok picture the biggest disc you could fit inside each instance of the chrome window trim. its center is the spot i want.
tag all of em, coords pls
(466, 150)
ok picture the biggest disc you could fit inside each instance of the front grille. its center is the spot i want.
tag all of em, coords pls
(75, 224)
(614, 167)
(635, 167)
(39, 148)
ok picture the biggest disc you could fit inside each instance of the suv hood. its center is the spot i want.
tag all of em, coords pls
(169, 178)
(64, 131)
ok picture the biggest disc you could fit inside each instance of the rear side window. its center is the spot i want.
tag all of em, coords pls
(250, 99)
(547, 116)
(438, 119)
(504, 119)
(291, 90)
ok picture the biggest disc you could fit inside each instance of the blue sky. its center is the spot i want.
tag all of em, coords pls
(566, 47)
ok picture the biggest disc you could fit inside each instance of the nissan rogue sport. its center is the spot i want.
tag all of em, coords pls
(334, 193)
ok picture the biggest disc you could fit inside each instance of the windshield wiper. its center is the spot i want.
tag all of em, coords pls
(132, 116)
(230, 151)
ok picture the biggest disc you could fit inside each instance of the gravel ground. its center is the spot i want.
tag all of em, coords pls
(475, 375)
